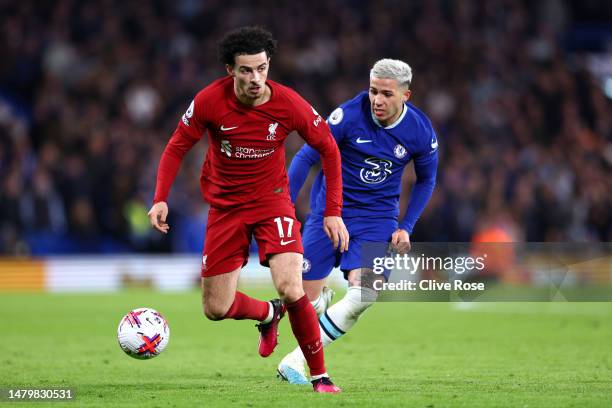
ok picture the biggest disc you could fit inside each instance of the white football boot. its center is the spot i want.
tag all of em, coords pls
(292, 368)
(323, 301)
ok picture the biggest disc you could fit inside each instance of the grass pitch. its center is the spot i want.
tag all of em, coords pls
(399, 354)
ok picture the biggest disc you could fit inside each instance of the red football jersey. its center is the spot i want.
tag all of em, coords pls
(246, 155)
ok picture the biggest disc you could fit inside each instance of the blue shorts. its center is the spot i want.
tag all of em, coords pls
(367, 236)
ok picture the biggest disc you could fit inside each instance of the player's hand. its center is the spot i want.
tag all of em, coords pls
(336, 231)
(157, 216)
(400, 241)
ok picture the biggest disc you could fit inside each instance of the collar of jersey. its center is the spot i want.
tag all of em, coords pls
(394, 124)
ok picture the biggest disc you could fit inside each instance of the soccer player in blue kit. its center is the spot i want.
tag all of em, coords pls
(378, 133)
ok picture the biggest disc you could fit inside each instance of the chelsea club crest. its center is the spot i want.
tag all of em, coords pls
(400, 151)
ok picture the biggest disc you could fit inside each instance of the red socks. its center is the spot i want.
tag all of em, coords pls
(246, 307)
(303, 319)
(305, 326)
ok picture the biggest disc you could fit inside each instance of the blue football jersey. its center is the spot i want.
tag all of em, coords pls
(373, 161)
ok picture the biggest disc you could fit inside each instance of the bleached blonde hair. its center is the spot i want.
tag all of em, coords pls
(387, 68)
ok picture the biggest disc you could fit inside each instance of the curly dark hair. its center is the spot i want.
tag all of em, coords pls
(245, 41)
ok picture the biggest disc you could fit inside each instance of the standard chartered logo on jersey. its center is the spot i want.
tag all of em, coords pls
(226, 148)
(241, 152)
(376, 170)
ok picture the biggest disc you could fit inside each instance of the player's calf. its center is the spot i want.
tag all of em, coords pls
(333, 324)
(241, 307)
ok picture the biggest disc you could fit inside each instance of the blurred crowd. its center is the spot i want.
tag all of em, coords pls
(90, 92)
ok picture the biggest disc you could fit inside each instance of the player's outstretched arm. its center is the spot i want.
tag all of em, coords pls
(299, 169)
(336, 231)
(157, 216)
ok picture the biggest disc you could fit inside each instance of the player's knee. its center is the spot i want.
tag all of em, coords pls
(290, 292)
(214, 312)
(354, 280)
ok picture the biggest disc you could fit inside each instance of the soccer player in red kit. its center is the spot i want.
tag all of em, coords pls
(248, 118)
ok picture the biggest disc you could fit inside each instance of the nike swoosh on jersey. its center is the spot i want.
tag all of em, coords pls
(283, 243)
(359, 140)
(225, 129)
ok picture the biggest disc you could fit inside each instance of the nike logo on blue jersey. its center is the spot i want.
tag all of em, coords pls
(434, 143)
(359, 140)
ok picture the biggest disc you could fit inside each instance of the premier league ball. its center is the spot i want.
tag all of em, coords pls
(143, 333)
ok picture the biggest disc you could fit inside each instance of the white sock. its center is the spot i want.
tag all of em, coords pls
(316, 377)
(340, 317)
(270, 313)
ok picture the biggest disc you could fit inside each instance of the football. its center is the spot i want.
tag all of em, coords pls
(143, 333)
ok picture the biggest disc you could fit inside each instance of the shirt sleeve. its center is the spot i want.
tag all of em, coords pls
(317, 134)
(307, 157)
(304, 159)
(426, 168)
(188, 132)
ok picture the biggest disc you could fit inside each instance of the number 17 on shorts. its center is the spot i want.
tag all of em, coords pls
(279, 235)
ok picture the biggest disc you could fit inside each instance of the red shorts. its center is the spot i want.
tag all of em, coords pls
(229, 233)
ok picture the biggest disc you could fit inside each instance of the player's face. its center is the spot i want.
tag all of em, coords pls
(387, 99)
(250, 73)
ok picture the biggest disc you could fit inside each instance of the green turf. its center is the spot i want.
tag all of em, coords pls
(399, 354)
